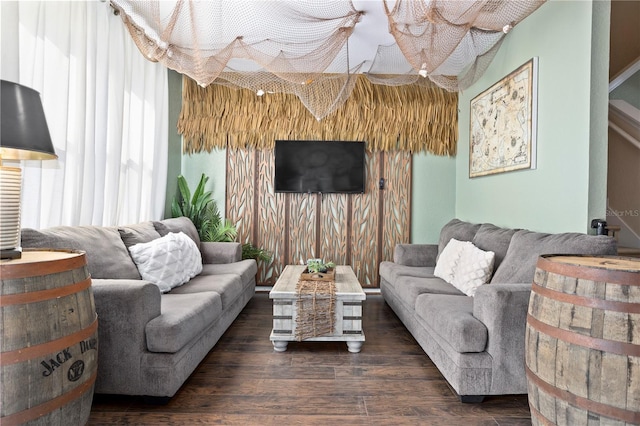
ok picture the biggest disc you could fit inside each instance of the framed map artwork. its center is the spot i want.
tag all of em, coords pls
(503, 124)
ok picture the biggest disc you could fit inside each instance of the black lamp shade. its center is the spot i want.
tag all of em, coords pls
(24, 134)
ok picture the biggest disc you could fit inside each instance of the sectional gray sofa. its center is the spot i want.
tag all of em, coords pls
(476, 342)
(149, 342)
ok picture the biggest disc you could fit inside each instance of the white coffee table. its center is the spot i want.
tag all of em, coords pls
(348, 310)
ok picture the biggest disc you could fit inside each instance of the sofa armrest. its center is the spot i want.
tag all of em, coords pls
(415, 254)
(219, 252)
(503, 310)
(124, 308)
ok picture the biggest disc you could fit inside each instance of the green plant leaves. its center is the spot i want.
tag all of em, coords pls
(249, 251)
(202, 210)
(317, 265)
(205, 215)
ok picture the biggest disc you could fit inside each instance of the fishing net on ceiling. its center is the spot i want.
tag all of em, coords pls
(301, 47)
(452, 42)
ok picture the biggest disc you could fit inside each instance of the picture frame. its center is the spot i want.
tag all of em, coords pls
(503, 123)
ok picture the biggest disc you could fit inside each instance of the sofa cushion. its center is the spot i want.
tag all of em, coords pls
(178, 224)
(228, 286)
(519, 264)
(492, 238)
(246, 269)
(183, 318)
(452, 318)
(455, 228)
(167, 261)
(415, 254)
(106, 254)
(138, 233)
(409, 288)
(391, 271)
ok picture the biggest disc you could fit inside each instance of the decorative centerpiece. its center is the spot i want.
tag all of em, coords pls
(318, 270)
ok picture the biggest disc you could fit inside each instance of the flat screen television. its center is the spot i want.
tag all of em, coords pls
(319, 166)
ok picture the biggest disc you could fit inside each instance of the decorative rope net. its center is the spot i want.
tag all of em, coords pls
(300, 47)
(452, 42)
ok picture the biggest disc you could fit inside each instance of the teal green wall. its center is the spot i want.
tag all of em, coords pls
(599, 117)
(556, 196)
(433, 196)
(191, 166)
(212, 164)
(175, 139)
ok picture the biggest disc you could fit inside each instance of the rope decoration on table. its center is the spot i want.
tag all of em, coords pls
(316, 302)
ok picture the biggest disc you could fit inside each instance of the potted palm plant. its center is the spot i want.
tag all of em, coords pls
(205, 215)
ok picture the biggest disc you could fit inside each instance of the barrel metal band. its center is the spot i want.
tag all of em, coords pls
(612, 276)
(589, 302)
(41, 295)
(542, 420)
(32, 413)
(611, 346)
(31, 352)
(583, 403)
(45, 267)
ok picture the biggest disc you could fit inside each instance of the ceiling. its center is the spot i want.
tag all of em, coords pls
(371, 31)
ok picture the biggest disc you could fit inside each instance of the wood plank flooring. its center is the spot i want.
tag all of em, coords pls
(244, 382)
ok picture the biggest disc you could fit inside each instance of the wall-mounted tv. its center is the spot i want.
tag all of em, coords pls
(319, 166)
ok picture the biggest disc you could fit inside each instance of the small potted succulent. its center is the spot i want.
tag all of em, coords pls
(315, 266)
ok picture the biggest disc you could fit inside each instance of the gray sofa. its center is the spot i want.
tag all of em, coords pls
(476, 342)
(150, 342)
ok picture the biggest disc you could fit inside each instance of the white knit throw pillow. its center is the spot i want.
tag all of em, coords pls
(448, 259)
(474, 269)
(169, 261)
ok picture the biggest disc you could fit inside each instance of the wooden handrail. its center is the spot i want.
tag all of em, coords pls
(625, 74)
(624, 134)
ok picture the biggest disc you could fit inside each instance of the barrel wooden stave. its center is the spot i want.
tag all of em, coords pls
(52, 384)
(575, 371)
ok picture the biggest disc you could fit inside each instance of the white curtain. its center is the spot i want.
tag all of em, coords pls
(107, 111)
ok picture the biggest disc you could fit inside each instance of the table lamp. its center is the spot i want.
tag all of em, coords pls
(24, 135)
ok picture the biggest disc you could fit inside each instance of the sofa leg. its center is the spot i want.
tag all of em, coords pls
(466, 399)
(471, 399)
(156, 400)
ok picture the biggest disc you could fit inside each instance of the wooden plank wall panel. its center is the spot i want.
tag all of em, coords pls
(397, 202)
(270, 219)
(364, 229)
(240, 191)
(356, 229)
(302, 227)
(334, 228)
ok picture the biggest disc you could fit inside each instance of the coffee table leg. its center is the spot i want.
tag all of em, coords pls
(354, 346)
(280, 345)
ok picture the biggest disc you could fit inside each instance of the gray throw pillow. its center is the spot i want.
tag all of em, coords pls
(106, 254)
(138, 233)
(455, 228)
(519, 264)
(178, 224)
(493, 238)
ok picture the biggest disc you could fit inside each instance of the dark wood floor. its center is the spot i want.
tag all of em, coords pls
(243, 382)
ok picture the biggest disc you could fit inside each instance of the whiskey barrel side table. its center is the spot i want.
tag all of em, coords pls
(49, 338)
(582, 343)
